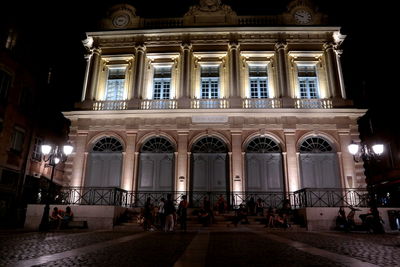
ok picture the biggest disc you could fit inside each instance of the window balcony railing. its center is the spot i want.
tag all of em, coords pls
(261, 103)
(110, 105)
(159, 104)
(209, 103)
(313, 103)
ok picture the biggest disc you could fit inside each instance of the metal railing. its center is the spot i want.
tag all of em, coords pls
(329, 197)
(313, 103)
(261, 103)
(307, 197)
(110, 105)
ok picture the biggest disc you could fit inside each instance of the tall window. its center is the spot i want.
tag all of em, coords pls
(308, 82)
(37, 153)
(17, 139)
(258, 81)
(162, 83)
(209, 82)
(5, 82)
(115, 84)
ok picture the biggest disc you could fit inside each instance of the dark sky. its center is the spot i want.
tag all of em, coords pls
(53, 33)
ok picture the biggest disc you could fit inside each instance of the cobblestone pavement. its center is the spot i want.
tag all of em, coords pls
(249, 249)
(159, 249)
(224, 247)
(24, 246)
(382, 250)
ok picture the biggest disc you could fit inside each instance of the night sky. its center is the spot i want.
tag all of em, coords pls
(52, 33)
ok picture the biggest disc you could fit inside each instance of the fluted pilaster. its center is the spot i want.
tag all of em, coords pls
(234, 70)
(184, 90)
(93, 74)
(283, 81)
(332, 70)
(139, 71)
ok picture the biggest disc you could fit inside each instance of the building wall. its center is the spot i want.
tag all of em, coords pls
(233, 44)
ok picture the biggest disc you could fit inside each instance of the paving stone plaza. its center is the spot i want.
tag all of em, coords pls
(218, 245)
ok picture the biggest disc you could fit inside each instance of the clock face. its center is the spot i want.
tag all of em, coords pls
(120, 20)
(302, 16)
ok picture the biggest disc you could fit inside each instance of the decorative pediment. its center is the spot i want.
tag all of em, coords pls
(210, 12)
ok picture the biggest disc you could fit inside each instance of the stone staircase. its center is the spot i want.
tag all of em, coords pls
(222, 222)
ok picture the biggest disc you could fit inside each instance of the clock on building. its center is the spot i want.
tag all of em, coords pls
(302, 16)
(121, 20)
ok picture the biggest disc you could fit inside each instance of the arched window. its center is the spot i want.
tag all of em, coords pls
(262, 145)
(158, 145)
(108, 144)
(209, 145)
(315, 145)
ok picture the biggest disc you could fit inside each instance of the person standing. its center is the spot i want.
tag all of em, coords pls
(161, 215)
(182, 212)
(148, 208)
(170, 213)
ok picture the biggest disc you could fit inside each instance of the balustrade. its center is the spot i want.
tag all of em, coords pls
(110, 105)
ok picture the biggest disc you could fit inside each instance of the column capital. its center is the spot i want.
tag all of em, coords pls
(233, 45)
(96, 50)
(280, 45)
(186, 45)
(329, 45)
(140, 48)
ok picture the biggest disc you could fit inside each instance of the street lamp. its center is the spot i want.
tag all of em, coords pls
(367, 154)
(53, 156)
(362, 151)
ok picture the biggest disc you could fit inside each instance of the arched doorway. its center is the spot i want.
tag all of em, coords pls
(156, 169)
(104, 163)
(318, 164)
(209, 165)
(264, 166)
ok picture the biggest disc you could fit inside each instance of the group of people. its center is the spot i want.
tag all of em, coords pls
(370, 221)
(163, 215)
(59, 219)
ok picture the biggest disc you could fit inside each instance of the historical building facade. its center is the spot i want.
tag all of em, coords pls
(214, 102)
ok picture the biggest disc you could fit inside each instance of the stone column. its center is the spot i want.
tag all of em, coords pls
(283, 81)
(237, 163)
(234, 75)
(332, 70)
(184, 90)
(139, 77)
(285, 174)
(129, 161)
(188, 180)
(78, 159)
(346, 159)
(93, 75)
(291, 161)
(135, 171)
(88, 58)
(182, 161)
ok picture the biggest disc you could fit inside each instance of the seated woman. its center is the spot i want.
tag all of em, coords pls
(341, 220)
(68, 216)
(55, 218)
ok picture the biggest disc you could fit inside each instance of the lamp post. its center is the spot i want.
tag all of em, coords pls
(54, 156)
(363, 152)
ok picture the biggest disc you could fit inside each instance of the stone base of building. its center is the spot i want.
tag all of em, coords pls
(97, 217)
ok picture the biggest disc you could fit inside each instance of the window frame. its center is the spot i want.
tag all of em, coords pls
(14, 145)
(119, 93)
